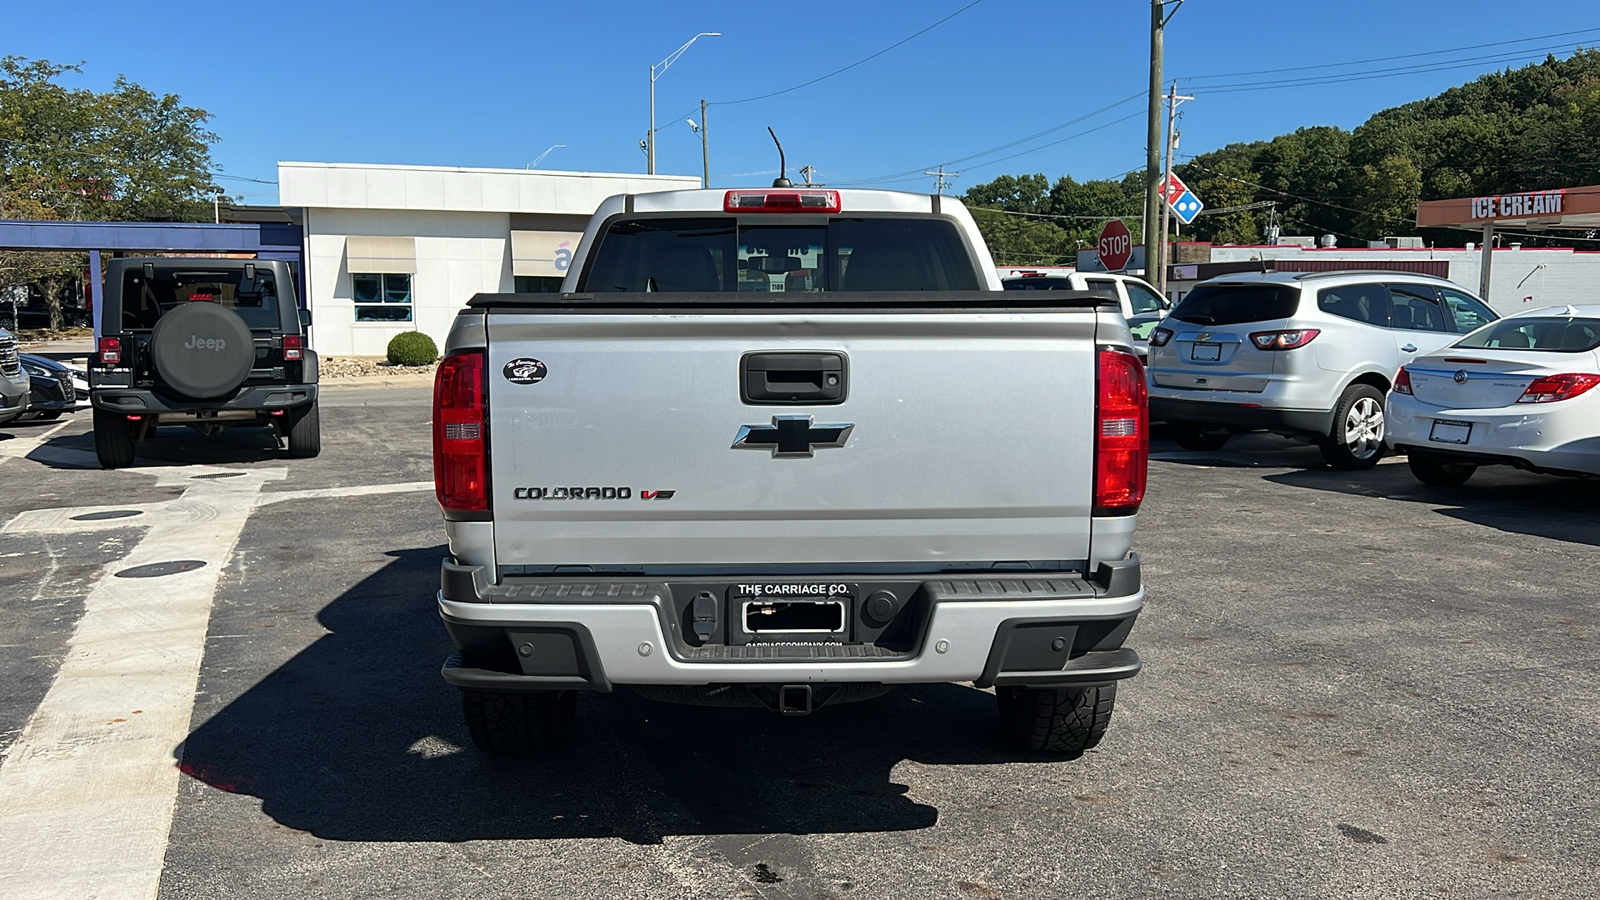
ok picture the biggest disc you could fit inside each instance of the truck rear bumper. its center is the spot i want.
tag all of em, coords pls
(590, 635)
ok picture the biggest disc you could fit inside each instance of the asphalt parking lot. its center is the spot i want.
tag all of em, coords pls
(1356, 686)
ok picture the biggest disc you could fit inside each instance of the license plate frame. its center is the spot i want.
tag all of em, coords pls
(1454, 432)
(1205, 352)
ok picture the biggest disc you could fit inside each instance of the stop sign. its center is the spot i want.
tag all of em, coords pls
(1115, 245)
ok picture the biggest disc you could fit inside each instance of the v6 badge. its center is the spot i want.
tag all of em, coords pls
(525, 371)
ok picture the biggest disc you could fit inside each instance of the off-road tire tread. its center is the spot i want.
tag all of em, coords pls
(113, 442)
(1059, 721)
(305, 435)
(1197, 437)
(519, 724)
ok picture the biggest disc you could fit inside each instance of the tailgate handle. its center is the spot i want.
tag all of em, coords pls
(783, 377)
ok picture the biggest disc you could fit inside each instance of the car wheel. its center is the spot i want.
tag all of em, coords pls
(1198, 436)
(1437, 471)
(1062, 721)
(506, 724)
(305, 435)
(8, 323)
(1356, 441)
(113, 440)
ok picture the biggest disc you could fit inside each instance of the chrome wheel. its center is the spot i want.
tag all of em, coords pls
(1363, 428)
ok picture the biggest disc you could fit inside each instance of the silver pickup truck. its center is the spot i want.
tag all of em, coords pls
(787, 447)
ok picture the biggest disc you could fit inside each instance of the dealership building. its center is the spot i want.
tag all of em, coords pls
(387, 249)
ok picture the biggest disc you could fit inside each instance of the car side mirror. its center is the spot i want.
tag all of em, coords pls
(305, 318)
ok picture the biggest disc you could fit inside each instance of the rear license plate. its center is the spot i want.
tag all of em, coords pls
(1207, 352)
(793, 607)
(1447, 432)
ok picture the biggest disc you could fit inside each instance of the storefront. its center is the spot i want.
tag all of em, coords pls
(1508, 218)
(402, 248)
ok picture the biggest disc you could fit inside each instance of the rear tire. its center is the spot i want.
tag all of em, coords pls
(507, 724)
(305, 435)
(1359, 422)
(1198, 436)
(113, 440)
(1061, 721)
(1439, 472)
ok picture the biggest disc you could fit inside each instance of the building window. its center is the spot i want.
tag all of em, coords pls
(382, 298)
(538, 284)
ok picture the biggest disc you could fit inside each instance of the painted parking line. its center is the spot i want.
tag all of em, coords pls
(87, 791)
(23, 443)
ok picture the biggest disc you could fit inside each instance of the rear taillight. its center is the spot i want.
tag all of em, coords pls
(110, 350)
(1160, 336)
(781, 201)
(1551, 388)
(460, 439)
(1284, 340)
(1402, 381)
(1122, 435)
(293, 347)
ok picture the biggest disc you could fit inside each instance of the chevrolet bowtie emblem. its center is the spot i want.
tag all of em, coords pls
(791, 436)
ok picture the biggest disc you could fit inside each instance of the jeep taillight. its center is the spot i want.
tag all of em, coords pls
(110, 350)
(1122, 435)
(293, 347)
(460, 438)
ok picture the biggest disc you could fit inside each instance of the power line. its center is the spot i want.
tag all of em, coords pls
(858, 62)
(1343, 78)
(1359, 62)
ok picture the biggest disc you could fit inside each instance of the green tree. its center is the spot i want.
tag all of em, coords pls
(118, 155)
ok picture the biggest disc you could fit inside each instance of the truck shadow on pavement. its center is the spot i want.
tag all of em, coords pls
(357, 738)
(1499, 497)
(170, 446)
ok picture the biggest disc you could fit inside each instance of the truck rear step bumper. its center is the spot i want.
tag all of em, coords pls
(592, 634)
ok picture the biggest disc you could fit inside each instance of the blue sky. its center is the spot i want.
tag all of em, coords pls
(496, 83)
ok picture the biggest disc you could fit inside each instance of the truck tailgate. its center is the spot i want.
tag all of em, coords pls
(970, 439)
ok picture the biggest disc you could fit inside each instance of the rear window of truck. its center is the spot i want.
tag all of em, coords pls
(1236, 304)
(145, 300)
(712, 255)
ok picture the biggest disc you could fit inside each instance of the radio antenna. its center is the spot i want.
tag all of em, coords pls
(781, 180)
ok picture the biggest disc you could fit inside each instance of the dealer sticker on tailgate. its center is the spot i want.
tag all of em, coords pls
(798, 590)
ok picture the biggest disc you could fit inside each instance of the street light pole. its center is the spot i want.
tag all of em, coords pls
(656, 71)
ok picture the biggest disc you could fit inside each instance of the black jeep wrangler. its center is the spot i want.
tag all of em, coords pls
(207, 343)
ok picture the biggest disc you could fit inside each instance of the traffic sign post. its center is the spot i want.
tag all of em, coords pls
(1114, 246)
(1186, 206)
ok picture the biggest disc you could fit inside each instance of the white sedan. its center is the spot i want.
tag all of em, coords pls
(1520, 391)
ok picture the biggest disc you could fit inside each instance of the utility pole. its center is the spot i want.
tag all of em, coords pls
(1173, 102)
(940, 174)
(806, 172)
(1152, 168)
(705, 148)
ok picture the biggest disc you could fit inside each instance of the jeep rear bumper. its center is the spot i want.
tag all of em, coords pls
(251, 397)
(1050, 629)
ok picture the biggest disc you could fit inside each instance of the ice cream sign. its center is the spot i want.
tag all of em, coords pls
(1518, 206)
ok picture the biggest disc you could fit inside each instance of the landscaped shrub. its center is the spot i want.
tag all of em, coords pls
(412, 348)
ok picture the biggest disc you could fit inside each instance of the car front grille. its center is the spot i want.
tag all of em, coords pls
(10, 363)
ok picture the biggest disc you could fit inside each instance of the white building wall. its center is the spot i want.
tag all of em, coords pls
(460, 220)
(459, 254)
(1520, 279)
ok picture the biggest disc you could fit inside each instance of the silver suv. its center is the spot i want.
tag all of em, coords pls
(1307, 355)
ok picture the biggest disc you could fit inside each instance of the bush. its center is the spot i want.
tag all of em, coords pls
(412, 348)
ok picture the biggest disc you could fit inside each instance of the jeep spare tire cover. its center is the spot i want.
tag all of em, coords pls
(202, 350)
